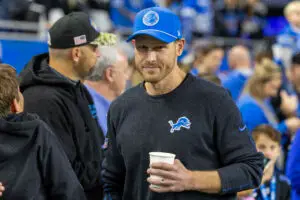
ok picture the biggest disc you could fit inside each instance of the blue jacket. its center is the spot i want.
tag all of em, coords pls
(293, 167)
(289, 38)
(235, 82)
(253, 115)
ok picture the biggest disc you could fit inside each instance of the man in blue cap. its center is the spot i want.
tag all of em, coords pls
(174, 112)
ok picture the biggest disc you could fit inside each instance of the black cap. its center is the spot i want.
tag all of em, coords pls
(74, 29)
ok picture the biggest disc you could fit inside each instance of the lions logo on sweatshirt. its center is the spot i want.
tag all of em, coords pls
(182, 122)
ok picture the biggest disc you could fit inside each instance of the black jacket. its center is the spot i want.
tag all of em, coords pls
(33, 164)
(68, 108)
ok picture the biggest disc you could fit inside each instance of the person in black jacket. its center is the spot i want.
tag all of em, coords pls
(177, 113)
(33, 164)
(52, 87)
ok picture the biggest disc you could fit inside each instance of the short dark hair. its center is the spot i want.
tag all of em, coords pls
(268, 131)
(9, 88)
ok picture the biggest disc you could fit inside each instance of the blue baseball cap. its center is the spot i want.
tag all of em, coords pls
(157, 22)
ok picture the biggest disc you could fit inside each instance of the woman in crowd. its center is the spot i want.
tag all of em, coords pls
(255, 105)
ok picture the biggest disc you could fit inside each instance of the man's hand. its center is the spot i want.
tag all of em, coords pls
(174, 178)
(293, 124)
(289, 103)
(1, 189)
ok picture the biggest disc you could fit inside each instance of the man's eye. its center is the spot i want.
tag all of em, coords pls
(142, 48)
(160, 47)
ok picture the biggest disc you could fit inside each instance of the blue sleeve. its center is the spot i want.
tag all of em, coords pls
(242, 165)
(282, 127)
(252, 115)
(233, 86)
(293, 163)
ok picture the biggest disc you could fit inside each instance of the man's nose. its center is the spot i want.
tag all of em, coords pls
(151, 56)
(268, 154)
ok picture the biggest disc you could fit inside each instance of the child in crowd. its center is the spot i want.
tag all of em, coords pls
(274, 186)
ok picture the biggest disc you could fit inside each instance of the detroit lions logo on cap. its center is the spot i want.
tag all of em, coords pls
(151, 18)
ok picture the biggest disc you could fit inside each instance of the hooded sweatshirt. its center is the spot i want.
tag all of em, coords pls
(67, 107)
(32, 162)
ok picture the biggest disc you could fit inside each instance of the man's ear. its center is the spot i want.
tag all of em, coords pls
(76, 53)
(17, 106)
(14, 106)
(179, 46)
(133, 42)
(109, 74)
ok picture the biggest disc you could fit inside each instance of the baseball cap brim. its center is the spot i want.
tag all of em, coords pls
(160, 35)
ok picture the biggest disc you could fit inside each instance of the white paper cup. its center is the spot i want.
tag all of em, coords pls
(161, 157)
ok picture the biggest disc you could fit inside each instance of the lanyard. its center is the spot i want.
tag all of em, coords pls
(263, 190)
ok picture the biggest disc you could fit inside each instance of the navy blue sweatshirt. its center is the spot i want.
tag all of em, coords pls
(198, 121)
(67, 107)
(33, 164)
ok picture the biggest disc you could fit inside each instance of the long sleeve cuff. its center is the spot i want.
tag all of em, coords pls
(233, 179)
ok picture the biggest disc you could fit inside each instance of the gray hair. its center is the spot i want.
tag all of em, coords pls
(108, 57)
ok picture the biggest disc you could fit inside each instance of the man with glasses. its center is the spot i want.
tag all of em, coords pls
(33, 164)
(52, 86)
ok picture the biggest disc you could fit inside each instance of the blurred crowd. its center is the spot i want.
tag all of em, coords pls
(230, 18)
